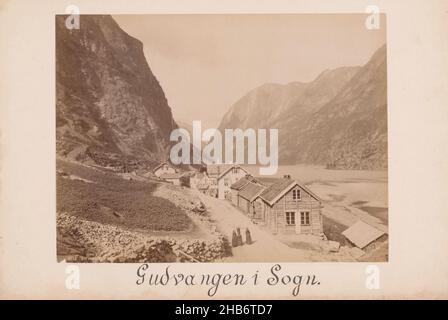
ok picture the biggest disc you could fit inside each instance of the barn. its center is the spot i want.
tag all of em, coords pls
(289, 207)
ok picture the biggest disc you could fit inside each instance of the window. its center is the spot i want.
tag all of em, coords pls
(290, 218)
(296, 194)
(305, 218)
(235, 170)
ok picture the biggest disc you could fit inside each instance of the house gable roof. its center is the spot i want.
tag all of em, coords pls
(250, 191)
(361, 234)
(277, 190)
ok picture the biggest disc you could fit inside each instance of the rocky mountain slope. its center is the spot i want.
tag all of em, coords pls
(110, 108)
(338, 120)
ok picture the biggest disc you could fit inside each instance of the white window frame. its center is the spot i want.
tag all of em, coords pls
(296, 194)
(305, 215)
(292, 216)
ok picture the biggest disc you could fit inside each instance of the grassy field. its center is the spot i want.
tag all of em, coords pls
(102, 196)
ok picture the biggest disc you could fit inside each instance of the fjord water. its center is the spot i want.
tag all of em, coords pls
(347, 195)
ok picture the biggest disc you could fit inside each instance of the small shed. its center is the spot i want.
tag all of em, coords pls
(365, 236)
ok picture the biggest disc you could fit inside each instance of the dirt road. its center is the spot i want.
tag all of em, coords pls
(266, 248)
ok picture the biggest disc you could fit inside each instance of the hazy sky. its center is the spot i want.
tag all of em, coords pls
(205, 63)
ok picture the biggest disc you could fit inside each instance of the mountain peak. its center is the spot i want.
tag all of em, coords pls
(338, 119)
(331, 74)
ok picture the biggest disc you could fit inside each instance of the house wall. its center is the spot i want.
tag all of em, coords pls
(270, 218)
(276, 215)
(221, 189)
(259, 209)
(250, 206)
(253, 209)
(229, 178)
(194, 183)
(243, 204)
(212, 191)
(234, 196)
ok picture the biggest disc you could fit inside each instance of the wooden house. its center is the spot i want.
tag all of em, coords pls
(289, 207)
(222, 177)
(163, 168)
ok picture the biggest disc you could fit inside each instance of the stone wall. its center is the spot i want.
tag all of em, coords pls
(80, 240)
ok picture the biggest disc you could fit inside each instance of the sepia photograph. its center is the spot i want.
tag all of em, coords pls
(220, 158)
(221, 138)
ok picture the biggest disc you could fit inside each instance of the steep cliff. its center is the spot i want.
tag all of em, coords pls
(110, 108)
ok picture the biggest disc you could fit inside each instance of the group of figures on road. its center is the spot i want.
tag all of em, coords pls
(237, 237)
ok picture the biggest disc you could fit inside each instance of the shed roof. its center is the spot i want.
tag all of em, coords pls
(250, 191)
(361, 234)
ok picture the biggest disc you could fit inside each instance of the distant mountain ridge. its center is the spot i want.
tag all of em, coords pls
(338, 120)
(110, 108)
